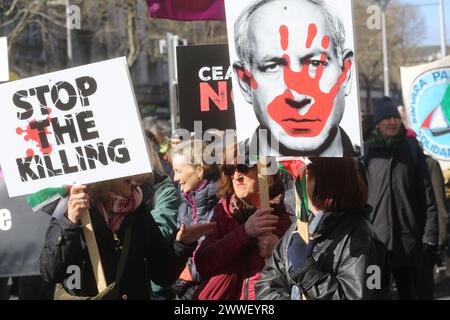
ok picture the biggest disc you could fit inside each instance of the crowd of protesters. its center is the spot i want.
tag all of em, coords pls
(195, 230)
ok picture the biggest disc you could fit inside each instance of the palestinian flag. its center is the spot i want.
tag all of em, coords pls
(438, 121)
(187, 10)
(52, 201)
(296, 168)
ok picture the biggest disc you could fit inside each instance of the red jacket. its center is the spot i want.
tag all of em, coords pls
(229, 260)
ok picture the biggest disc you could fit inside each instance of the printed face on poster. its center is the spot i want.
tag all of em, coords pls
(4, 63)
(204, 87)
(295, 76)
(75, 126)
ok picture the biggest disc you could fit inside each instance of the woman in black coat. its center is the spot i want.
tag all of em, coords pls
(115, 207)
(343, 259)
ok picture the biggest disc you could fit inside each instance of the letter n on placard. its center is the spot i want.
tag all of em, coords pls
(219, 98)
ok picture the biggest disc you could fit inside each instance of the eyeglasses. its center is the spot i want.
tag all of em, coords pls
(229, 170)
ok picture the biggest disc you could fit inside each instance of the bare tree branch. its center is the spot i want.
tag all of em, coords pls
(11, 9)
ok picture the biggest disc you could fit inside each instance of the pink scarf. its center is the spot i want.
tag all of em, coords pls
(118, 207)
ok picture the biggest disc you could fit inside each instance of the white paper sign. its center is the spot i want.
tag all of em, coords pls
(295, 75)
(75, 126)
(4, 63)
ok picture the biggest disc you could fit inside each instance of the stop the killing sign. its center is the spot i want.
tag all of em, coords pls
(75, 126)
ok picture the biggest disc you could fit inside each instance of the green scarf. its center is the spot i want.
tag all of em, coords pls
(376, 139)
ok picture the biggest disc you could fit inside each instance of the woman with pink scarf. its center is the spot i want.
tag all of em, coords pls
(118, 213)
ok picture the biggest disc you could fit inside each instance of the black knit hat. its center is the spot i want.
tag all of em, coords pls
(384, 108)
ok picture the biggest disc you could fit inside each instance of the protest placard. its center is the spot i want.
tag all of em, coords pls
(186, 9)
(204, 87)
(295, 77)
(75, 126)
(426, 95)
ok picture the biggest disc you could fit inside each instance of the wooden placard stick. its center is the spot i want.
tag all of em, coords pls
(94, 254)
(263, 183)
(303, 230)
(263, 186)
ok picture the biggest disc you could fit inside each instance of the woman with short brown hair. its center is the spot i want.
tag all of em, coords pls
(343, 251)
(337, 184)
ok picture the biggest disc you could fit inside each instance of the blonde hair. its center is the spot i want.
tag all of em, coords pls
(192, 151)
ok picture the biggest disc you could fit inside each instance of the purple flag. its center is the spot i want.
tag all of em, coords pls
(187, 10)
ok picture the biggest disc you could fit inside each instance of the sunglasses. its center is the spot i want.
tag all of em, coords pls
(229, 170)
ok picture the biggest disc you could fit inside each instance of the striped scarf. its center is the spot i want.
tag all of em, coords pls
(118, 207)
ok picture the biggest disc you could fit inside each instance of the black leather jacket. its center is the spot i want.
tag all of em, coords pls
(343, 265)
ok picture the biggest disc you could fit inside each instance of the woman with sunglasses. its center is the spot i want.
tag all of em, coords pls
(232, 257)
(199, 184)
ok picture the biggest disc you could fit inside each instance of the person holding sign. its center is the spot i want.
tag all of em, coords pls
(343, 259)
(295, 71)
(231, 258)
(131, 246)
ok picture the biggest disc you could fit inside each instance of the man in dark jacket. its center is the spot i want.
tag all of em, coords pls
(404, 211)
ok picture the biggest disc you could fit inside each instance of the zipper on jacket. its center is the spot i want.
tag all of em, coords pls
(246, 289)
(245, 283)
(117, 242)
(194, 210)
